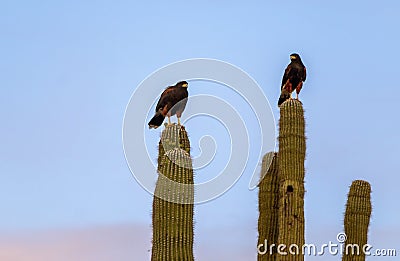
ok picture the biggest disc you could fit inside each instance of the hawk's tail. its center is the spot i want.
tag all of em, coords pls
(156, 121)
(284, 96)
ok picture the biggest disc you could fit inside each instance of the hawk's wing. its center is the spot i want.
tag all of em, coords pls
(304, 74)
(165, 97)
(286, 75)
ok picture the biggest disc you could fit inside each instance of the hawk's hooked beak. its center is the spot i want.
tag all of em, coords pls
(292, 57)
(185, 85)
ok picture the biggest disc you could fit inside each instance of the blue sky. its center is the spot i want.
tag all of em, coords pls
(68, 69)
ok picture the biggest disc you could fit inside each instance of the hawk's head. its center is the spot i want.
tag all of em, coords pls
(183, 84)
(295, 57)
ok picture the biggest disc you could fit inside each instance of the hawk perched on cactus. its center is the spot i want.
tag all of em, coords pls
(172, 101)
(293, 78)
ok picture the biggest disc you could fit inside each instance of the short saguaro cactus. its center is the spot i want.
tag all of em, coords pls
(173, 198)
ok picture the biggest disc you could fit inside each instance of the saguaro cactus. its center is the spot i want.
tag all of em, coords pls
(356, 220)
(281, 190)
(268, 208)
(292, 148)
(281, 197)
(173, 198)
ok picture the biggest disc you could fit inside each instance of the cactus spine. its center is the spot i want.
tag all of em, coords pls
(292, 149)
(356, 220)
(173, 198)
(268, 208)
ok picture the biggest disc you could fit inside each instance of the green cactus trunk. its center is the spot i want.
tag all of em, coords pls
(292, 149)
(268, 208)
(356, 220)
(173, 198)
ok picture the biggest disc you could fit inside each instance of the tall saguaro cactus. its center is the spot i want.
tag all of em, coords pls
(292, 149)
(281, 190)
(173, 198)
(356, 220)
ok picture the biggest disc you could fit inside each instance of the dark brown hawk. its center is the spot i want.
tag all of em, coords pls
(295, 75)
(172, 101)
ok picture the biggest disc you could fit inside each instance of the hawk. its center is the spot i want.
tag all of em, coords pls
(172, 101)
(295, 75)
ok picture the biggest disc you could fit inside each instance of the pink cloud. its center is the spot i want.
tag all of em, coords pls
(124, 242)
